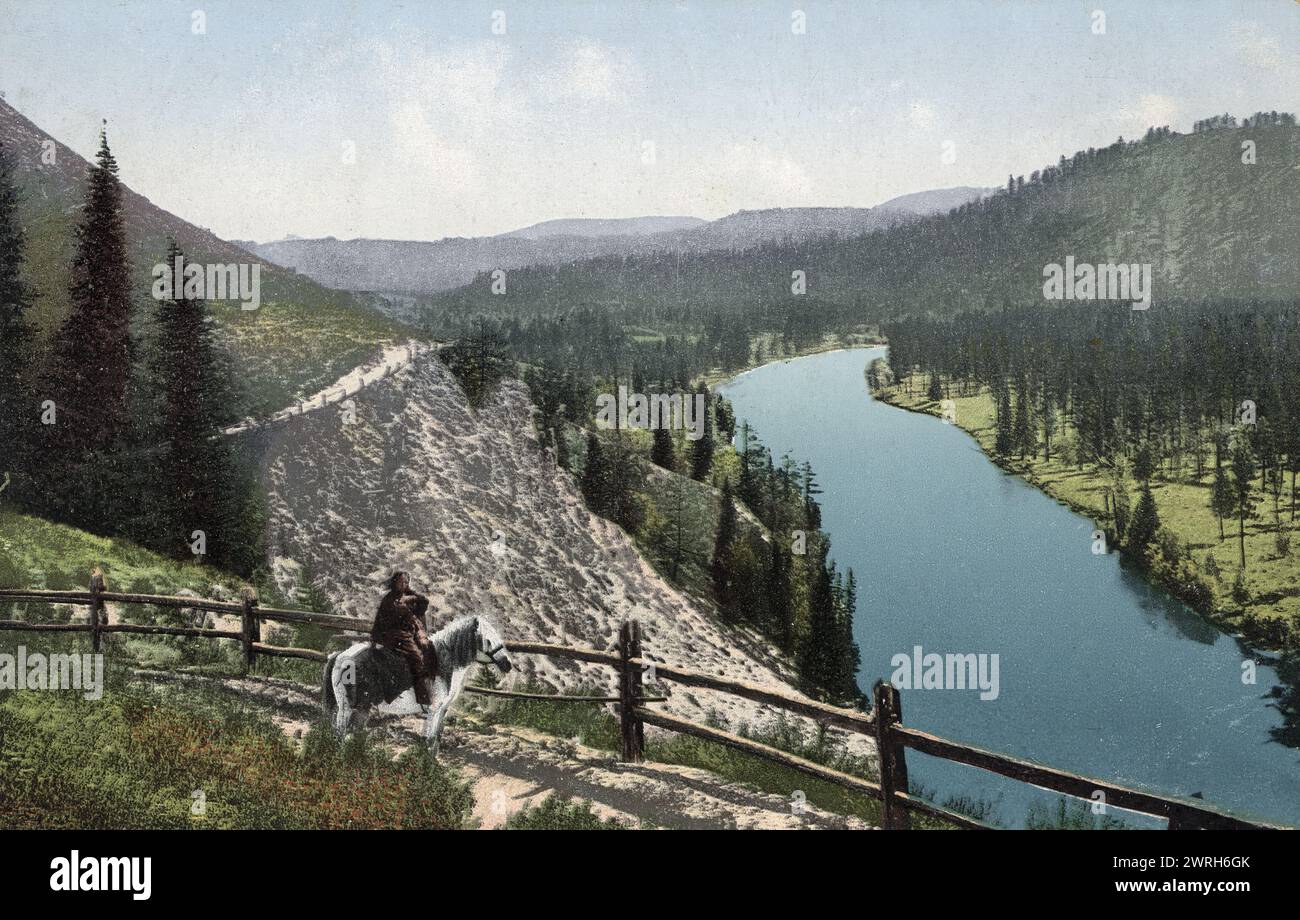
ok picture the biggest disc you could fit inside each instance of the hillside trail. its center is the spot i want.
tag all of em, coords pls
(511, 768)
(391, 358)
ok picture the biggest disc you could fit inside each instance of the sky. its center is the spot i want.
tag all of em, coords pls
(435, 118)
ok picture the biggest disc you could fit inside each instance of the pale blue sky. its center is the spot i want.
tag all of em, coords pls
(461, 132)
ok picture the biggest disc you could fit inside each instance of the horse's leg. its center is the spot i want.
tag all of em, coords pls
(438, 707)
(343, 714)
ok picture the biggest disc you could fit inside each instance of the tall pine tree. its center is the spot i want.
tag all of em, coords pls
(702, 448)
(91, 362)
(17, 405)
(719, 567)
(196, 478)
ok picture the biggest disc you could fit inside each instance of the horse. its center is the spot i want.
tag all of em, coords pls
(368, 676)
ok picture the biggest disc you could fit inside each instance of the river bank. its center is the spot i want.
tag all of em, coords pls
(718, 377)
(1266, 614)
(1101, 673)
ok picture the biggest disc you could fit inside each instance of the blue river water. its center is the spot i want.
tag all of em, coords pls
(1098, 672)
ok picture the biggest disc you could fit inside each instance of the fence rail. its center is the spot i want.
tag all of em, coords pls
(884, 724)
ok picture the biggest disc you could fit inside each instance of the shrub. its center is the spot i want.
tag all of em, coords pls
(556, 813)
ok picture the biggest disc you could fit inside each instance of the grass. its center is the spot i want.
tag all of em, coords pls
(36, 553)
(1268, 612)
(140, 757)
(556, 813)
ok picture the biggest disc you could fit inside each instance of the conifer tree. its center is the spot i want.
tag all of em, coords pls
(662, 452)
(196, 482)
(780, 597)
(1023, 428)
(719, 566)
(479, 361)
(1243, 473)
(1146, 522)
(820, 657)
(1005, 441)
(17, 402)
(595, 477)
(703, 448)
(91, 362)
(726, 419)
(1222, 502)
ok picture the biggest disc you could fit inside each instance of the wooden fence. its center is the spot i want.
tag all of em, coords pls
(884, 724)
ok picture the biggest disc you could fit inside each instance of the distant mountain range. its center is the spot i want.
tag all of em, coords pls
(415, 267)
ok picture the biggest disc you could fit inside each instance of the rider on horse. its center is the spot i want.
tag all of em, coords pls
(399, 625)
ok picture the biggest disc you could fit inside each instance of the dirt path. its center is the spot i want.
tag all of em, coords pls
(510, 768)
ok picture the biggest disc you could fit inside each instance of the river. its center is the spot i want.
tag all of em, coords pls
(1098, 672)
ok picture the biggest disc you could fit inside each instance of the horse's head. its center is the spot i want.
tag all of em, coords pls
(491, 647)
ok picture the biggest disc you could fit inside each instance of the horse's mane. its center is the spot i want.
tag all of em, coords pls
(457, 643)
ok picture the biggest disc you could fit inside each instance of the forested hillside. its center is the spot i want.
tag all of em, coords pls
(1208, 223)
(1177, 429)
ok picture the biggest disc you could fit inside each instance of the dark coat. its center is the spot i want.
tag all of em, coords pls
(399, 625)
(400, 620)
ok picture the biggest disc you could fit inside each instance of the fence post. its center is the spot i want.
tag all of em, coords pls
(632, 729)
(892, 754)
(252, 632)
(98, 617)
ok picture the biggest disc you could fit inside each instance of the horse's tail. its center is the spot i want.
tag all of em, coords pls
(327, 685)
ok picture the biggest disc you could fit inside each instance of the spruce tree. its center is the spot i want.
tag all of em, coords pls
(1222, 502)
(1023, 428)
(17, 402)
(662, 452)
(1146, 522)
(479, 361)
(850, 653)
(196, 477)
(780, 595)
(726, 419)
(595, 477)
(1243, 473)
(719, 566)
(91, 361)
(820, 656)
(703, 448)
(626, 484)
(1005, 441)
(935, 391)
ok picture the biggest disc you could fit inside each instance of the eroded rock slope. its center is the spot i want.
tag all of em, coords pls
(477, 511)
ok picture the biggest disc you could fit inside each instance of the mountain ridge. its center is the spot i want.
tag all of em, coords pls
(424, 267)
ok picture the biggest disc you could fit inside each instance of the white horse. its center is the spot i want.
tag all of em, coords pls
(368, 676)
